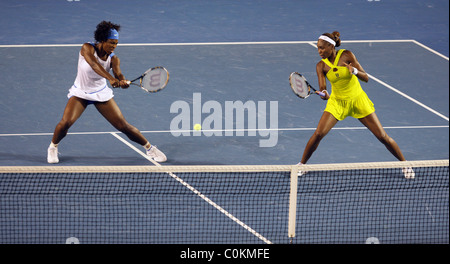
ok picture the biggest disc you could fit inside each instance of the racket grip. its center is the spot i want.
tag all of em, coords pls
(321, 94)
(128, 82)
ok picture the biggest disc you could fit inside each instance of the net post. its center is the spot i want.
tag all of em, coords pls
(293, 202)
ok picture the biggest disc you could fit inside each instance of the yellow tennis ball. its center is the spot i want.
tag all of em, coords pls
(197, 127)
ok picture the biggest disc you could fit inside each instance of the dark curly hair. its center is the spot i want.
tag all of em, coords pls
(102, 31)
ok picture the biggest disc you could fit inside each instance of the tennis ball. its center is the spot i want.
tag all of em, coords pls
(197, 127)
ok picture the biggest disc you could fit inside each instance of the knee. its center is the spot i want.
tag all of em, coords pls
(318, 135)
(124, 127)
(383, 138)
(65, 124)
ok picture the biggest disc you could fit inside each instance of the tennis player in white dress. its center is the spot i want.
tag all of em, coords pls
(95, 62)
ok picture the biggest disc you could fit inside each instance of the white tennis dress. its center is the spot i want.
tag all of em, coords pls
(88, 84)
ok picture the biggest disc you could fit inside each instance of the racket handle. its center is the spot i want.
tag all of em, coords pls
(321, 94)
(128, 82)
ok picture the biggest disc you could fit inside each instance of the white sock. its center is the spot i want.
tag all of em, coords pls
(53, 145)
(147, 146)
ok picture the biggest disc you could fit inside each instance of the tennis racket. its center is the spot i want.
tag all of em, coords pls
(153, 80)
(300, 85)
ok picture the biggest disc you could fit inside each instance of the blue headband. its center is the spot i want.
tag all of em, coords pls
(113, 34)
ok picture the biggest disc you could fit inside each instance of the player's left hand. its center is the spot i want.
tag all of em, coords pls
(124, 84)
(326, 97)
(349, 66)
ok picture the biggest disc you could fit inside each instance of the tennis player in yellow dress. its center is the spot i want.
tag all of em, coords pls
(343, 71)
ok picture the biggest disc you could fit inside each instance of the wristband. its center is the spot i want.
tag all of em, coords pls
(355, 71)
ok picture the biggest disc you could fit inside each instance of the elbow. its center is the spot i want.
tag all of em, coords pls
(365, 78)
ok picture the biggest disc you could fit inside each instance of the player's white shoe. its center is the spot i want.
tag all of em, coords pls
(156, 154)
(52, 155)
(409, 173)
(301, 173)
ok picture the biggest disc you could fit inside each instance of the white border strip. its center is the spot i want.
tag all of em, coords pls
(225, 168)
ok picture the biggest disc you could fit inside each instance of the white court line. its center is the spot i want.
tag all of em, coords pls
(409, 97)
(403, 94)
(226, 130)
(185, 184)
(198, 43)
(231, 43)
(430, 49)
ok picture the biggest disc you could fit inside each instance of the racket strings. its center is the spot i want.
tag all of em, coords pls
(153, 80)
(300, 86)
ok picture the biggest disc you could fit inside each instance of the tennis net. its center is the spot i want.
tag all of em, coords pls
(328, 204)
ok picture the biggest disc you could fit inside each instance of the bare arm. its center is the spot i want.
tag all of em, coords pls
(87, 51)
(351, 62)
(322, 79)
(115, 63)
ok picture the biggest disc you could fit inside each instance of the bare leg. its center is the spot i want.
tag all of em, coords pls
(373, 124)
(74, 108)
(110, 110)
(326, 123)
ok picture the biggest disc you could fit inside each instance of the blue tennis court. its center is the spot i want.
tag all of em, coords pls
(251, 65)
(406, 103)
(229, 64)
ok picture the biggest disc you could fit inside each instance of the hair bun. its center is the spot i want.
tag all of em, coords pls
(337, 38)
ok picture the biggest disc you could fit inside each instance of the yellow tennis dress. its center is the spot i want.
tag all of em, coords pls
(347, 98)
